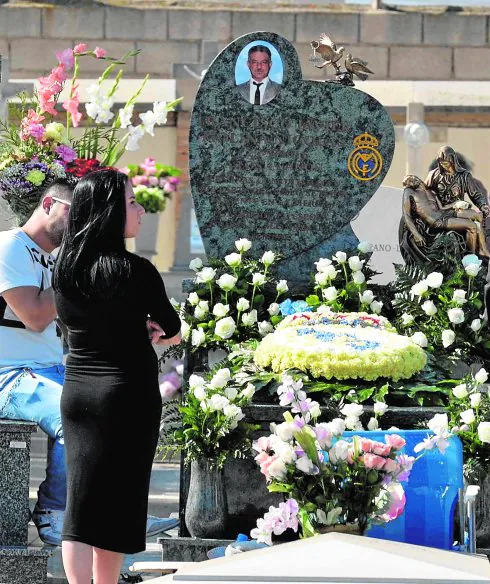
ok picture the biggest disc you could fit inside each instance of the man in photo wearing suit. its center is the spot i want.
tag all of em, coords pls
(259, 89)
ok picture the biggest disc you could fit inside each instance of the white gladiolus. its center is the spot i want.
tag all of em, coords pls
(358, 278)
(355, 264)
(376, 306)
(407, 319)
(380, 408)
(225, 328)
(198, 337)
(460, 391)
(434, 279)
(226, 282)
(243, 245)
(429, 308)
(322, 263)
(125, 115)
(220, 310)
(341, 257)
(373, 424)
(476, 325)
(268, 258)
(484, 432)
(367, 297)
(282, 286)
(447, 337)
(468, 416)
(419, 339)
(193, 299)
(438, 423)
(459, 296)
(330, 293)
(249, 318)
(481, 376)
(195, 264)
(135, 135)
(233, 260)
(455, 315)
(475, 400)
(419, 288)
(206, 275)
(274, 309)
(258, 279)
(365, 247)
(242, 304)
(265, 328)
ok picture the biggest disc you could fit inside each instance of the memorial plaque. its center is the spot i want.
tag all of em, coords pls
(291, 172)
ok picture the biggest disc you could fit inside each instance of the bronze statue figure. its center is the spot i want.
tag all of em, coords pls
(426, 220)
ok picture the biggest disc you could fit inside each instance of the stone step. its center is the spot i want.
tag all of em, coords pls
(24, 565)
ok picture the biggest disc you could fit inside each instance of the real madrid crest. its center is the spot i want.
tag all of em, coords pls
(365, 162)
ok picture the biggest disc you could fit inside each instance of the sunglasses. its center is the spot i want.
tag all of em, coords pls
(62, 201)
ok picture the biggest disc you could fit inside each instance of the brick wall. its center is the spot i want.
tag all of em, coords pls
(397, 45)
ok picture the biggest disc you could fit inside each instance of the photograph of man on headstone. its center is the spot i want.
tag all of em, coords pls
(259, 72)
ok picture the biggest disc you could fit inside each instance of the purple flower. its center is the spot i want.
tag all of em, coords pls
(66, 153)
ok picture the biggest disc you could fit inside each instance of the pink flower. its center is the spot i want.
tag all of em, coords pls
(124, 170)
(175, 180)
(149, 166)
(173, 378)
(261, 457)
(374, 461)
(57, 77)
(380, 449)
(365, 444)
(71, 106)
(37, 132)
(263, 443)
(153, 181)
(264, 466)
(168, 390)
(66, 58)
(169, 188)
(99, 53)
(395, 441)
(80, 48)
(46, 101)
(136, 180)
(397, 502)
(391, 466)
(31, 125)
(66, 153)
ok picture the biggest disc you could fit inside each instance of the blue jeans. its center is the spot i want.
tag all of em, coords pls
(35, 395)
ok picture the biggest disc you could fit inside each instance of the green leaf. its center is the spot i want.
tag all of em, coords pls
(312, 300)
(279, 488)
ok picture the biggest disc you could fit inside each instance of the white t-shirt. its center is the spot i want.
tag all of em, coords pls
(24, 263)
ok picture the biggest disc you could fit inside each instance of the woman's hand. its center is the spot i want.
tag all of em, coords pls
(175, 340)
(155, 331)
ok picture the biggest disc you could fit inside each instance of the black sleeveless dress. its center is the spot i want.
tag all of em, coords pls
(111, 408)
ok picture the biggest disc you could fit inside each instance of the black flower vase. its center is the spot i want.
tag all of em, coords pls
(206, 511)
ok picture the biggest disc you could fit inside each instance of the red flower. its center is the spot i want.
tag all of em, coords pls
(82, 166)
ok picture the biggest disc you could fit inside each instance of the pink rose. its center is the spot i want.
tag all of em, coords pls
(395, 441)
(374, 461)
(99, 53)
(391, 466)
(381, 449)
(80, 48)
(366, 444)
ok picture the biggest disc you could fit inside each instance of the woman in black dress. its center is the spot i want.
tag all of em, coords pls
(111, 403)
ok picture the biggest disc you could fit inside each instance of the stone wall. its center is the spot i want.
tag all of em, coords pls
(398, 45)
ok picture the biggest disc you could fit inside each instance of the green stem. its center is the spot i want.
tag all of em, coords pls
(211, 292)
(73, 79)
(253, 296)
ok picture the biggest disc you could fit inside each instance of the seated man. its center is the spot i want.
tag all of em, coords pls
(31, 370)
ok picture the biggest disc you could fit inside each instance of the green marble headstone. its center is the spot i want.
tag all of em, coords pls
(291, 174)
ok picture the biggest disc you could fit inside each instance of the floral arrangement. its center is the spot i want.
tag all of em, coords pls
(234, 300)
(443, 313)
(153, 183)
(212, 419)
(340, 346)
(171, 381)
(38, 139)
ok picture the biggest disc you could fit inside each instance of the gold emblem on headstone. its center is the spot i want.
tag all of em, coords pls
(365, 162)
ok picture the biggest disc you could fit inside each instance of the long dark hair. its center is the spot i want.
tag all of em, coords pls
(92, 259)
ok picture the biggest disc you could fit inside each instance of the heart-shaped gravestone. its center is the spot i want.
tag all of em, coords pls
(289, 174)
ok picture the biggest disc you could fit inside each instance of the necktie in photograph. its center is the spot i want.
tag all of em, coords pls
(257, 93)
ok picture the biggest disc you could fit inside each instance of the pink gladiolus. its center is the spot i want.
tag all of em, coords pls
(80, 48)
(71, 106)
(373, 461)
(46, 101)
(57, 77)
(380, 449)
(100, 53)
(395, 441)
(66, 58)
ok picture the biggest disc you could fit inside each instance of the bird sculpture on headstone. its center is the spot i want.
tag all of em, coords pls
(328, 50)
(357, 67)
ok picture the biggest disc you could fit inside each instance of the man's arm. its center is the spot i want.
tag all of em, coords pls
(407, 217)
(35, 309)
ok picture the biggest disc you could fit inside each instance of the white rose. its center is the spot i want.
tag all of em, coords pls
(193, 299)
(358, 278)
(185, 329)
(376, 306)
(217, 402)
(341, 257)
(225, 328)
(330, 293)
(471, 258)
(233, 260)
(472, 270)
(268, 258)
(407, 319)
(475, 400)
(242, 304)
(330, 272)
(248, 391)
(226, 282)
(198, 337)
(476, 325)
(199, 393)
(459, 296)
(284, 431)
(468, 416)
(220, 378)
(196, 381)
(419, 288)
(231, 393)
(373, 424)
(258, 279)
(355, 264)
(365, 247)
(380, 408)
(460, 391)
(200, 313)
(352, 410)
(481, 376)
(484, 431)
(455, 315)
(321, 278)
(274, 309)
(367, 297)
(195, 264)
(322, 263)
(304, 464)
(232, 411)
(243, 244)
(206, 275)
(220, 310)
(429, 308)
(249, 318)
(282, 286)
(265, 328)
(447, 337)
(419, 339)
(434, 279)
(324, 309)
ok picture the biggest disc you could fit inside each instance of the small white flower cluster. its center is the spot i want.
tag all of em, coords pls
(470, 394)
